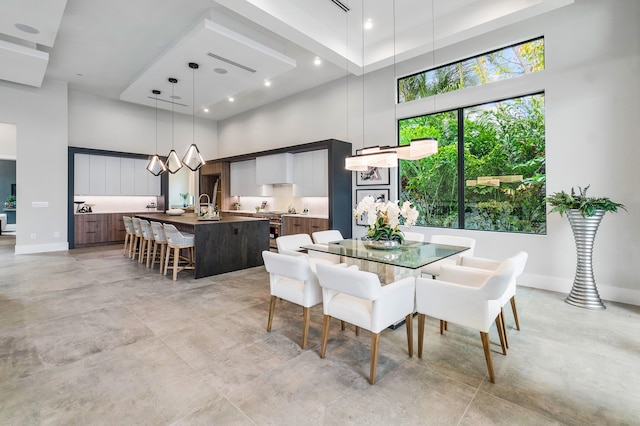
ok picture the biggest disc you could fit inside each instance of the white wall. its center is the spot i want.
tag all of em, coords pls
(108, 124)
(40, 116)
(7, 141)
(592, 127)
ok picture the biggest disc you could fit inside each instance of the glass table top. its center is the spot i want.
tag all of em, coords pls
(410, 254)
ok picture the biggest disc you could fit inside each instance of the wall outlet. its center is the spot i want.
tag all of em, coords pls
(33, 236)
(39, 204)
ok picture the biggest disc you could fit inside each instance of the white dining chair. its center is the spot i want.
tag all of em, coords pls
(469, 297)
(147, 242)
(292, 279)
(357, 297)
(137, 239)
(177, 241)
(413, 236)
(291, 244)
(323, 237)
(433, 269)
(129, 235)
(510, 295)
(160, 241)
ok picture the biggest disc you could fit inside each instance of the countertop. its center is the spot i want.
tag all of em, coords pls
(262, 213)
(192, 218)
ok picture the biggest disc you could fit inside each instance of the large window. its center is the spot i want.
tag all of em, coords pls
(489, 172)
(501, 64)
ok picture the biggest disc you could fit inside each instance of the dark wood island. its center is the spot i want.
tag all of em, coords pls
(224, 245)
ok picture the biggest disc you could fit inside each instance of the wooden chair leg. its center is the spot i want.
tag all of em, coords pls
(325, 334)
(305, 326)
(149, 244)
(441, 327)
(272, 307)
(375, 341)
(126, 243)
(163, 253)
(420, 333)
(504, 328)
(153, 255)
(176, 262)
(357, 330)
(409, 324)
(487, 354)
(515, 312)
(166, 260)
(501, 334)
(142, 241)
(343, 325)
(446, 326)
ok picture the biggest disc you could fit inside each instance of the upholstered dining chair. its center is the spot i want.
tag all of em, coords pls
(291, 279)
(160, 241)
(433, 269)
(178, 241)
(129, 235)
(413, 236)
(510, 294)
(469, 297)
(147, 242)
(323, 237)
(358, 298)
(290, 244)
(137, 239)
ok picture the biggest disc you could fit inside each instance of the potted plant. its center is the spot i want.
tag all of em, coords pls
(584, 214)
(11, 201)
(383, 220)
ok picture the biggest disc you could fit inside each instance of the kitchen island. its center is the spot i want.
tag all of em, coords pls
(224, 245)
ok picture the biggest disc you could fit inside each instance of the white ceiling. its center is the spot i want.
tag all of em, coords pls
(123, 49)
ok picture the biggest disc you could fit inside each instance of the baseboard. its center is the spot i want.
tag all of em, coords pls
(614, 294)
(41, 248)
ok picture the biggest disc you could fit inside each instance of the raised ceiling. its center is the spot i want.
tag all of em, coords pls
(123, 49)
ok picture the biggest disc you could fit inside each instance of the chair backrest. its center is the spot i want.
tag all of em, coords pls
(147, 233)
(413, 236)
(327, 236)
(158, 232)
(128, 224)
(136, 226)
(497, 284)
(296, 267)
(521, 260)
(290, 244)
(364, 285)
(174, 237)
(453, 240)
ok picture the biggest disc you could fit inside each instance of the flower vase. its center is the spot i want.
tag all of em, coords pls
(584, 292)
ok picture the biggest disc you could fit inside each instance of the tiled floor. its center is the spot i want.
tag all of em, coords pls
(90, 337)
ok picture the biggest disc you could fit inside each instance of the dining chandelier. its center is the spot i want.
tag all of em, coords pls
(156, 167)
(173, 163)
(193, 159)
(388, 156)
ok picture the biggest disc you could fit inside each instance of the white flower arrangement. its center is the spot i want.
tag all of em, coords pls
(384, 217)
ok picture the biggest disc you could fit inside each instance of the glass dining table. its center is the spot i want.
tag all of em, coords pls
(390, 264)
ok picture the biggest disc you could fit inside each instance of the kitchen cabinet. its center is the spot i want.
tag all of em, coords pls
(127, 173)
(277, 168)
(303, 225)
(99, 228)
(243, 180)
(112, 176)
(81, 174)
(97, 175)
(311, 174)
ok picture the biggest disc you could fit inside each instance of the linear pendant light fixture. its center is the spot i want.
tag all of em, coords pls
(193, 159)
(388, 156)
(173, 161)
(156, 167)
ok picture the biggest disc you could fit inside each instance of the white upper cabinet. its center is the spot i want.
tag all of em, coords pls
(81, 174)
(277, 168)
(311, 174)
(127, 172)
(108, 175)
(97, 175)
(112, 176)
(243, 180)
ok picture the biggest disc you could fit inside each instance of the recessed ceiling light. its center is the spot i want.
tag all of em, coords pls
(220, 70)
(205, 109)
(368, 24)
(267, 83)
(27, 28)
(231, 99)
(317, 60)
(175, 97)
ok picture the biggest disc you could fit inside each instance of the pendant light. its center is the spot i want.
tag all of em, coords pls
(156, 167)
(193, 159)
(173, 161)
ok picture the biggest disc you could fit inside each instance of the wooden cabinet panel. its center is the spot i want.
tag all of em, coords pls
(303, 225)
(99, 228)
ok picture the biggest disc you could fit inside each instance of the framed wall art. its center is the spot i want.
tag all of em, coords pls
(377, 194)
(373, 176)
